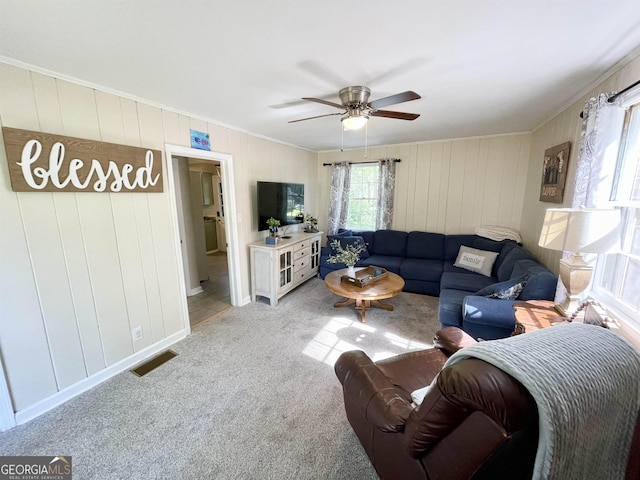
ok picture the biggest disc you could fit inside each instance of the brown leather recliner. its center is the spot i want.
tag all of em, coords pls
(475, 422)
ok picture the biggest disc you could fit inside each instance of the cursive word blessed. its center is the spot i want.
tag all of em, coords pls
(78, 165)
(142, 176)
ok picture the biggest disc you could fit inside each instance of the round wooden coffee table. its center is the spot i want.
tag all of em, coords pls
(366, 297)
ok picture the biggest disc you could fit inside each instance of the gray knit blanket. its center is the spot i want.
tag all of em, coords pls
(586, 383)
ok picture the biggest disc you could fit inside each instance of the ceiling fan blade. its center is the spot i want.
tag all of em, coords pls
(393, 99)
(318, 116)
(326, 102)
(398, 115)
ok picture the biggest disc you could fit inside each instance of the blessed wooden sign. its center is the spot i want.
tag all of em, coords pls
(55, 163)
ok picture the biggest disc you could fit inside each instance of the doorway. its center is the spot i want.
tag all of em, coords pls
(215, 297)
(208, 223)
(226, 285)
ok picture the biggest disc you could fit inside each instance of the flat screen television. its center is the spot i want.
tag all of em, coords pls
(282, 201)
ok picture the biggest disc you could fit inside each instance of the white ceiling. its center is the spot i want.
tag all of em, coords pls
(481, 66)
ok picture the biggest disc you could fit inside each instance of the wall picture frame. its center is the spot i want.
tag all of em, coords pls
(554, 173)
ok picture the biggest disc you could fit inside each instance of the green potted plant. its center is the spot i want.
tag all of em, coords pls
(311, 223)
(273, 226)
(349, 255)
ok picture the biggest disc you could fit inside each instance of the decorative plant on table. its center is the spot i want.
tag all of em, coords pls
(311, 223)
(273, 226)
(349, 254)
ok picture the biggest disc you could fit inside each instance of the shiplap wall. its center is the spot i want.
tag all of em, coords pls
(565, 126)
(79, 271)
(449, 186)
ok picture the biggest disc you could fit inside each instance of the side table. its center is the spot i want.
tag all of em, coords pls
(533, 315)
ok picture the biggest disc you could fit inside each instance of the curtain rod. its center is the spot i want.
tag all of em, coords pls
(612, 98)
(397, 160)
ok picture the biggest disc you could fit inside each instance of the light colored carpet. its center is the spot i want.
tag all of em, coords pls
(252, 395)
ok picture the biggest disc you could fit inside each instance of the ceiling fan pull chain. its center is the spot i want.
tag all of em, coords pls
(342, 131)
(366, 140)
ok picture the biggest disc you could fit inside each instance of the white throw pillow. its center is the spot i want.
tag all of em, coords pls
(479, 261)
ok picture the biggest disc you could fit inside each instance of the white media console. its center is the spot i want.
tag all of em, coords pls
(277, 269)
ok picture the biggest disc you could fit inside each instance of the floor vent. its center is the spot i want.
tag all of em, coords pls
(154, 363)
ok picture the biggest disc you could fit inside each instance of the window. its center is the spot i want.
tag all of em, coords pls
(617, 281)
(363, 197)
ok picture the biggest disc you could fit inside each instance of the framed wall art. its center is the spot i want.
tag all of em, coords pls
(554, 173)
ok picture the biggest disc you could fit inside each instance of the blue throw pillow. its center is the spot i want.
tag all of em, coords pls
(341, 233)
(350, 240)
(504, 290)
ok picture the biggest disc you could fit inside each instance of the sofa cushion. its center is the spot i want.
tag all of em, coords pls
(425, 245)
(341, 233)
(448, 267)
(465, 282)
(541, 284)
(487, 244)
(504, 271)
(422, 286)
(479, 261)
(507, 246)
(392, 243)
(390, 263)
(450, 307)
(369, 239)
(452, 244)
(421, 269)
(488, 318)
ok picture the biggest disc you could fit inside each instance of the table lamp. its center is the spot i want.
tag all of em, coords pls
(579, 230)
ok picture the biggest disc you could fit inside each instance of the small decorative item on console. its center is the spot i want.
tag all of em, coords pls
(273, 226)
(310, 223)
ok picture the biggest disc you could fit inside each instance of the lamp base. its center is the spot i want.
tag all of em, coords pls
(568, 306)
(575, 275)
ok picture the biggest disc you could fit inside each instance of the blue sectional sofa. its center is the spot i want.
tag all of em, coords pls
(426, 263)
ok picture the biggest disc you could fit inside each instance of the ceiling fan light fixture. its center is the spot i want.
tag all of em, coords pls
(354, 122)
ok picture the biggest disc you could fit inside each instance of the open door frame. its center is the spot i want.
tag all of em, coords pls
(231, 230)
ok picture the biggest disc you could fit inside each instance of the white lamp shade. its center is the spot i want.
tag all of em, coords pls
(354, 122)
(586, 230)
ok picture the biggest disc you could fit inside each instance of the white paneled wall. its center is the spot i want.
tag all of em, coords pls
(79, 271)
(450, 186)
(564, 127)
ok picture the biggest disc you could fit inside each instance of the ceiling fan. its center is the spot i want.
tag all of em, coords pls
(357, 109)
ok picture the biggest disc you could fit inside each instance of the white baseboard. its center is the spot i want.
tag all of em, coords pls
(7, 418)
(245, 301)
(194, 291)
(82, 386)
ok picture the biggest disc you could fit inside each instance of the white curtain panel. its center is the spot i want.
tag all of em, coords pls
(386, 187)
(339, 197)
(598, 154)
(597, 157)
